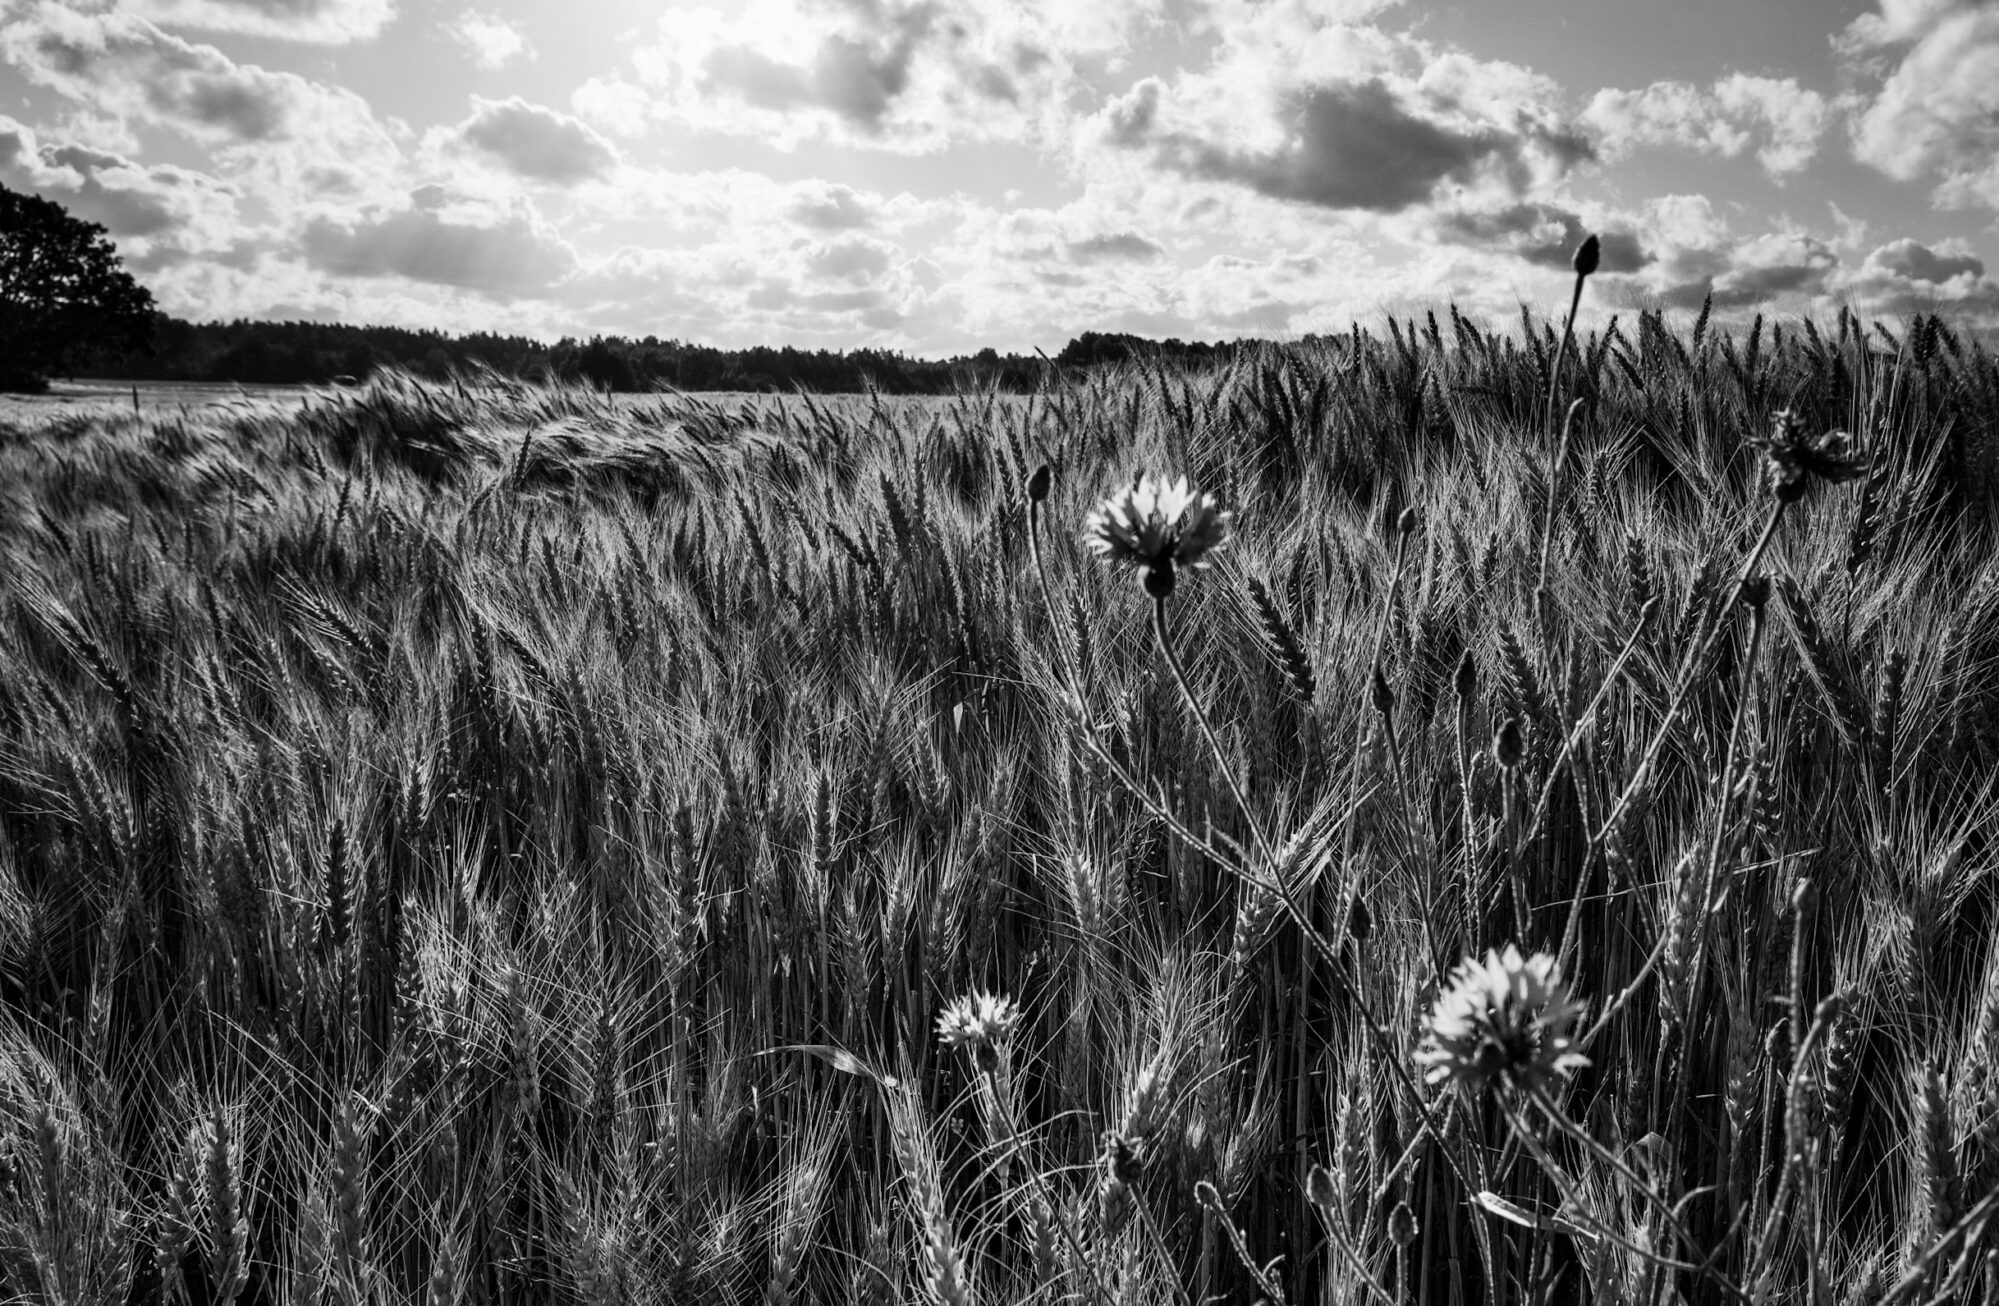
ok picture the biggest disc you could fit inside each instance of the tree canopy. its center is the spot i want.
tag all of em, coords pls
(64, 294)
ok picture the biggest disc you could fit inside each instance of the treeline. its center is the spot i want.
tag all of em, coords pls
(278, 353)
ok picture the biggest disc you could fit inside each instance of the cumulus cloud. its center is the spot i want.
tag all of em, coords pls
(330, 22)
(899, 74)
(1787, 119)
(1907, 277)
(1698, 258)
(302, 136)
(1358, 146)
(157, 212)
(123, 65)
(1914, 261)
(613, 105)
(534, 142)
(498, 250)
(1115, 247)
(1935, 115)
(489, 40)
(855, 259)
(1544, 235)
(823, 206)
(1781, 263)
(1300, 108)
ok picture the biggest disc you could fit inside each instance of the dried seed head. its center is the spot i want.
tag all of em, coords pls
(1588, 255)
(1792, 459)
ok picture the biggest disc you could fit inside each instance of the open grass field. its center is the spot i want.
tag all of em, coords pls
(514, 846)
(71, 399)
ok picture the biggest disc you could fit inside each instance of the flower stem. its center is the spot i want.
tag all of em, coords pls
(1162, 631)
(1684, 680)
(1557, 1117)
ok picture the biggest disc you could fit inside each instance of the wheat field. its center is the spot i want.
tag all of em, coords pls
(498, 844)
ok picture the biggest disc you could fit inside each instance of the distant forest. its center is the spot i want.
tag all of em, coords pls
(269, 353)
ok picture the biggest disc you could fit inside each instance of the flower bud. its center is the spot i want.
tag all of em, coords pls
(1037, 484)
(1321, 1189)
(1756, 592)
(1588, 255)
(1407, 522)
(1360, 921)
(1508, 746)
(1467, 678)
(1380, 694)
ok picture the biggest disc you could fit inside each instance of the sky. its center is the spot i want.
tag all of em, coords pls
(938, 176)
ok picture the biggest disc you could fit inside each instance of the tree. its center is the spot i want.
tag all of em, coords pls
(64, 296)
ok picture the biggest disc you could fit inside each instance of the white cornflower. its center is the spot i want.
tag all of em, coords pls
(977, 1022)
(1506, 1018)
(1156, 526)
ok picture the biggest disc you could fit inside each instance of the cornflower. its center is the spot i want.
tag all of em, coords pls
(977, 1022)
(1791, 458)
(1506, 1019)
(1158, 526)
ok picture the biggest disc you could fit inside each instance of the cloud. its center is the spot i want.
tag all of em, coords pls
(298, 136)
(123, 65)
(908, 75)
(330, 22)
(856, 80)
(1936, 113)
(1354, 146)
(1725, 119)
(613, 105)
(491, 41)
(855, 259)
(497, 250)
(157, 213)
(1544, 235)
(1782, 263)
(534, 142)
(1899, 21)
(823, 206)
(1698, 258)
(1117, 247)
(1300, 107)
(1906, 277)
(1917, 262)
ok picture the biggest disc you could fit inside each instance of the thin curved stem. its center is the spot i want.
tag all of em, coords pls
(1684, 677)
(1639, 1184)
(1163, 633)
